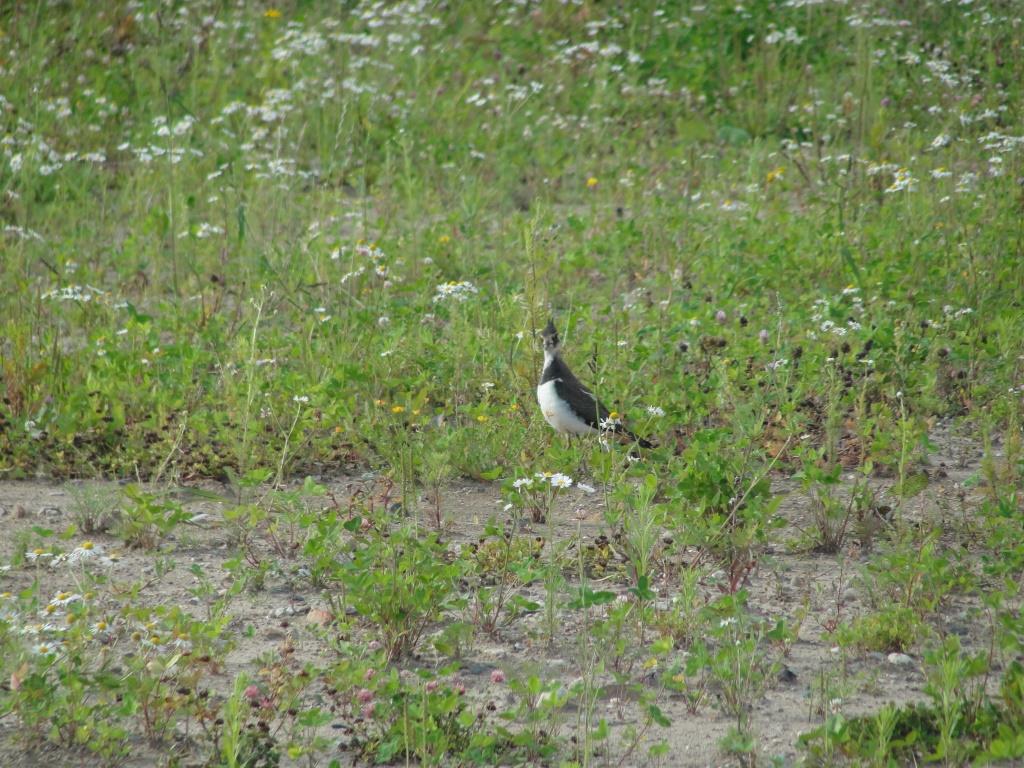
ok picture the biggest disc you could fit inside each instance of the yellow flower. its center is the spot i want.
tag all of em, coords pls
(272, 13)
(338, 429)
(444, 239)
(397, 408)
(775, 173)
(591, 182)
(481, 418)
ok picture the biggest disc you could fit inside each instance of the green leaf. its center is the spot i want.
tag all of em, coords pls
(588, 597)
(314, 718)
(662, 645)
(913, 485)
(520, 603)
(643, 590)
(658, 716)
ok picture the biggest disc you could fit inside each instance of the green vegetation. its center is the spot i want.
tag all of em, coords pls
(245, 244)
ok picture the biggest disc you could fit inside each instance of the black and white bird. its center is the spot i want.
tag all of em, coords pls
(566, 403)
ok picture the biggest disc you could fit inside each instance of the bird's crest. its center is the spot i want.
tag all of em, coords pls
(550, 336)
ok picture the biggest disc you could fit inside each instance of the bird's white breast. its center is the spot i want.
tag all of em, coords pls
(557, 412)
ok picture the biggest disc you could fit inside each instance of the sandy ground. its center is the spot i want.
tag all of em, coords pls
(785, 584)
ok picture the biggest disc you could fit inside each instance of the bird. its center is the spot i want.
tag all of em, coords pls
(566, 403)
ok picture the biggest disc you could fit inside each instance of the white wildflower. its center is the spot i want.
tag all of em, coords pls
(558, 480)
(459, 291)
(903, 181)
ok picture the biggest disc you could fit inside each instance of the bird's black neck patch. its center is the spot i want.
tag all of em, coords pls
(556, 368)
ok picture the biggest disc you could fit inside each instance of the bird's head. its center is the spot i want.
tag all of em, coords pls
(550, 337)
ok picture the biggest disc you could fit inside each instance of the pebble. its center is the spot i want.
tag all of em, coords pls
(899, 659)
(319, 617)
(476, 668)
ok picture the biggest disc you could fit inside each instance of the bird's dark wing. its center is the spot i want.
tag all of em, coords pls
(580, 399)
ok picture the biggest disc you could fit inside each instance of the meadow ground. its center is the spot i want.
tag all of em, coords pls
(275, 488)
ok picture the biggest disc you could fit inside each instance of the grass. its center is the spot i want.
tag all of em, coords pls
(250, 244)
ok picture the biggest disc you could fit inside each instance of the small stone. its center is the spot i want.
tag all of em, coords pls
(787, 675)
(899, 659)
(318, 617)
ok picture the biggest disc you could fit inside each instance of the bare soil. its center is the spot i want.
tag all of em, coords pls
(788, 582)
